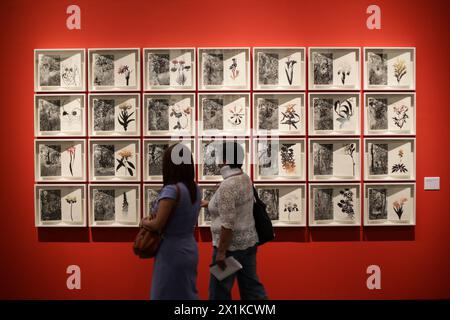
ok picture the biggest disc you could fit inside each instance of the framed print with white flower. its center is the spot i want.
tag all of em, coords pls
(114, 69)
(59, 205)
(114, 205)
(59, 115)
(207, 192)
(59, 70)
(169, 114)
(169, 69)
(151, 193)
(60, 160)
(114, 160)
(114, 115)
(334, 68)
(279, 113)
(334, 205)
(279, 68)
(224, 68)
(391, 204)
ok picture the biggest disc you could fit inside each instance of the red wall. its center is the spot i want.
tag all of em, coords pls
(303, 264)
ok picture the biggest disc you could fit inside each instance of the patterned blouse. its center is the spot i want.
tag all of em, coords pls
(231, 206)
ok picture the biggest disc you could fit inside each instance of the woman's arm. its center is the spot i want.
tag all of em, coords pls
(224, 243)
(158, 223)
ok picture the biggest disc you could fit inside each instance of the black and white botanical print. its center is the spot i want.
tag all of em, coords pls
(323, 114)
(50, 70)
(399, 166)
(290, 117)
(180, 116)
(104, 205)
(104, 114)
(323, 68)
(158, 114)
(159, 69)
(50, 204)
(49, 115)
(213, 68)
(377, 203)
(400, 116)
(290, 207)
(212, 114)
(271, 198)
(104, 160)
(287, 156)
(50, 160)
(323, 159)
(103, 69)
(346, 202)
(155, 158)
(344, 111)
(207, 195)
(152, 197)
(378, 153)
(268, 114)
(377, 68)
(268, 158)
(323, 204)
(236, 116)
(378, 113)
(268, 68)
(210, 160)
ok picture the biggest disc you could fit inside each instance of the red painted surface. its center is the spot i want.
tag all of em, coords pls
(303, 263)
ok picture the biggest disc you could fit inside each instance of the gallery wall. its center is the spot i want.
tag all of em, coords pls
(303, 263)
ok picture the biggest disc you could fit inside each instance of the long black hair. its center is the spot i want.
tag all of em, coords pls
(178, 166)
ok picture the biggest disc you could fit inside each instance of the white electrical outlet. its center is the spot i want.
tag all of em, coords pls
(432, 183)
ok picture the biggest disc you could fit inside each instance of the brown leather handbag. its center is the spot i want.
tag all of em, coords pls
(147, 241)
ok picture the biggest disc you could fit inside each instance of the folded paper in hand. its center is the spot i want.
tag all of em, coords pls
(232, 266)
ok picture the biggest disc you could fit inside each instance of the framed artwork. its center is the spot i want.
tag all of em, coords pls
(224, 114)
(224, 68)
(114, 160)
(114, 205)
(279, 159)
(334, 113)
(334, 205)
(285, 204)
(210, 157)
(390, 113)
(59, 205)
(279, 113)
(59, 115)
(60, 160)
(279, 68)
(169, 114)
(390, 204)
(169, 69)
(207, 191)
(334, 68)
(154, 152)
(114, 115)
(114, 69)
(151, 192)
(390, 159)
(59, 70)
(389, 68)
(334, 159)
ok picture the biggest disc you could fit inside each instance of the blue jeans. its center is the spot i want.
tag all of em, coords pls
(249, 286)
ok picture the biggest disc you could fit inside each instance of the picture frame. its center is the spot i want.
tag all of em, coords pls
(60, 205)
(114, 69)
(114, 205)
(207, 191)
(170, 69)
(334, 159)
(115, 114)
(389, 68)
(279, 114)
(114, 160)
(62, 115)
(279, 159)
(151, 192)
(389, 113)
(390, 159)
(169, 114)
(60, 160)
(225, 68)
(279, 68)
(334, 205)
(334, 68)
(392, 204)
(59, 70)
(334, 114)
(224, 114)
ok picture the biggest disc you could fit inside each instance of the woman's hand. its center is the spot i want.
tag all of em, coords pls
(204, 203)
(148, 222)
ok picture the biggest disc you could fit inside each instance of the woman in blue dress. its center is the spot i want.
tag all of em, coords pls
(176, 208)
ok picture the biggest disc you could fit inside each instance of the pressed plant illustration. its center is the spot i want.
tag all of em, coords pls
(400, 166)
(125, 204)
(398, 207)
(71, 151)
(126, 71)
(237, 115)
(290, 207)
(400, 115)
(234, 70)
(125, 161)
(71, 200)
(124, 117)
(344, 71)
(182, 114)
(399, 69)
(346, 204)
(344, 111)
(349, 150)
(290, 116)
(289, 69)
(287, 157)
(180, 67)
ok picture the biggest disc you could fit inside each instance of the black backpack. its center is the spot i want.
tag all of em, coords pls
(263, 224)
